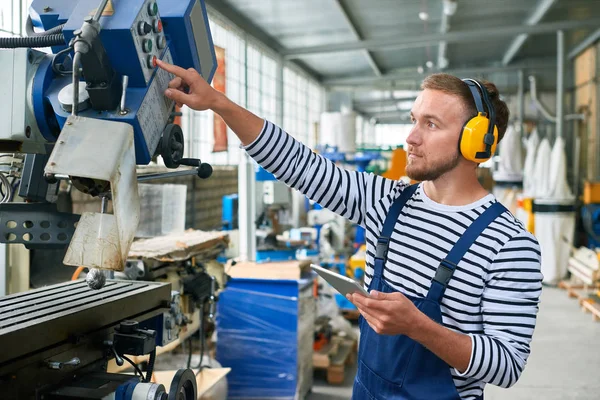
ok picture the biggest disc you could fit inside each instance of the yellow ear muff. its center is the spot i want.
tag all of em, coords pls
(473, 139)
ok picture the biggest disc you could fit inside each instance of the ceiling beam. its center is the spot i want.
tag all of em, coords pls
(388, 114)
(536, 16)
(584, 44)
(381, 102)
(357, 36)
(450, 37)
(253, 30)
(415, 76)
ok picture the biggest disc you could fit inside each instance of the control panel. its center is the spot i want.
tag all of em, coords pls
(148, 36)
(134, 33)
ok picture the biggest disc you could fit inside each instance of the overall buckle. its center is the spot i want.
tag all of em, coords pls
(381, 250)
(444, 272)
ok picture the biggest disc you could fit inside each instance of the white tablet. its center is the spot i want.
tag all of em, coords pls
(341, 283)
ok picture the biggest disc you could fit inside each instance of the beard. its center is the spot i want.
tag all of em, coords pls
(432, 171)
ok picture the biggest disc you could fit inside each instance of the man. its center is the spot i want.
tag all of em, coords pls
(454, 278)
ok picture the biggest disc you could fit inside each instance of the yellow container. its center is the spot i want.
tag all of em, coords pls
(591, 192)
(358, 261)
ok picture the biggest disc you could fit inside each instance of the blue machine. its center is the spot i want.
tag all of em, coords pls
(133, 33)
(230, 212)
(103, 69)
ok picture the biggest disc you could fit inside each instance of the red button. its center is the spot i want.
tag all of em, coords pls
(154, 61)
(159, 26)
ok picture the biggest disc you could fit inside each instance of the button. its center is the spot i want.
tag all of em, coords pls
(151, 62)
(152, 8)
(161, 42)
(144, 28)
(157, 26)
(147, 45)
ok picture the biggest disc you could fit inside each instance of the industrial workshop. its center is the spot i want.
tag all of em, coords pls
(299, 200)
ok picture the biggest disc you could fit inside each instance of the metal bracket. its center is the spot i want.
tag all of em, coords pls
(36, 226)
(100, 150)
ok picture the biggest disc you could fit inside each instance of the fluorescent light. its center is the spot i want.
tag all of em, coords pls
(450, 7)
(423, 16)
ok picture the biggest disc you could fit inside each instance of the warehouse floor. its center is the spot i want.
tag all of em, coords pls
(564, 363)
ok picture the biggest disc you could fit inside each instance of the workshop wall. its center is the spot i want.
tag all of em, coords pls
(586, 94)
(204, 196)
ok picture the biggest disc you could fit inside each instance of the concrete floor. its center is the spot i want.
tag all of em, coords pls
(564, 364)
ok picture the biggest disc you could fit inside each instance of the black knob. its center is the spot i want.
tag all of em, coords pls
(205, 170)
(144, 28)
(128, 327)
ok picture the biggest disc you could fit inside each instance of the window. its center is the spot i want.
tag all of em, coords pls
(198, 125)
(391, 135)
(303, 104)
(13, 14)
(262, 83)
(251, 81)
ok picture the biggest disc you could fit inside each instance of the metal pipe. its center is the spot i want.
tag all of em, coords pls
(442, 61)
(100, 10)
(150, 177)
(560, 83)
(538, 104)
(521, 103)
(576, 151)
(20, 18)
(247, 200)
(103, 204)
(76, 62)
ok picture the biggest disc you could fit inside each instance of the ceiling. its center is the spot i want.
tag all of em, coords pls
(373, 48)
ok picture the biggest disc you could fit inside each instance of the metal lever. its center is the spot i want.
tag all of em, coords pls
(203, 171)
(118, 358)
(122, 109)
(59, 365)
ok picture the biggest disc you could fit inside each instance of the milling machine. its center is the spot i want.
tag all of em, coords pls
(87, 113)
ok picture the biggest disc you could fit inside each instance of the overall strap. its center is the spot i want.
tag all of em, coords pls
(383, 241)
(448, 265)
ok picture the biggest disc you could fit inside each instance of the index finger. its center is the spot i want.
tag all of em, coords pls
(368, 303)
(184, 74)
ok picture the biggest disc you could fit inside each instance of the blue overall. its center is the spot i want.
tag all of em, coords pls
(397, 367)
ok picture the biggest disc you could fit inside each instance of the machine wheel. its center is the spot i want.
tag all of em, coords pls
(171, 145)
(183, 386)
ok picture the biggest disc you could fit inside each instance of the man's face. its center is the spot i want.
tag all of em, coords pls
(438, 119)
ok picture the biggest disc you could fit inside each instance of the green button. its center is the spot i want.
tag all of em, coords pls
(147, 45)
(152, 9)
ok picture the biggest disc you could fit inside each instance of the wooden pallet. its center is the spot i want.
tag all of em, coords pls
(338, 354)
(591, 306)
(578, 291)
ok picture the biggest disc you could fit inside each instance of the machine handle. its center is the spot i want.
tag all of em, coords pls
(59, 365)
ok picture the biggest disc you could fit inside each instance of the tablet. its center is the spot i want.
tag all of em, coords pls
(341, 283)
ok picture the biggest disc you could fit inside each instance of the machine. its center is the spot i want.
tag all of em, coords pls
(86, 115)
(58, 340)
(91, 112)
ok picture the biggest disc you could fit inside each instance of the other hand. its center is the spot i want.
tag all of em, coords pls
(388, 313)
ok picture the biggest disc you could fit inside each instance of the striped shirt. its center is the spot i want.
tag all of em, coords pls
(494, 293)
